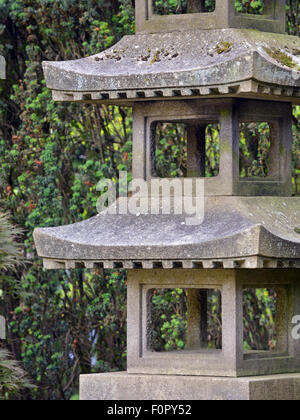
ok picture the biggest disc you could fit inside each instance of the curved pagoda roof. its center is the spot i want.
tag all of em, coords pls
(192, 63)
(247, 232)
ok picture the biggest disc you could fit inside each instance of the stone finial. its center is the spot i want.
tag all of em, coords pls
(224, 16)
(2, 67)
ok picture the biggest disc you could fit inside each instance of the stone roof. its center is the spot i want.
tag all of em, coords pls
(193, 63)
(2, 67)
(249, 232)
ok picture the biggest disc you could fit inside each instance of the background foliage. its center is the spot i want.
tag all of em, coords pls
(52, 156)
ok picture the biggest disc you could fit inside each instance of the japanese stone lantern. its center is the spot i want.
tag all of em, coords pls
(197, 69)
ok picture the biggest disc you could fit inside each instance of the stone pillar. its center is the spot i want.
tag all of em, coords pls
(196, 298)
(197, 318)
(280, 155)
(138, 146)
(229, 149)
(232, 311)
(2, 67)
(194, 319)
(281, 319)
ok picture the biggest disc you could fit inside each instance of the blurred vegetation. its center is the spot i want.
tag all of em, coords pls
(13, 379)
(64, 323)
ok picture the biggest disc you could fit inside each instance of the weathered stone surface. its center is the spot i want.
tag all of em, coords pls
(123, 386)
(2, 67)
(234, 227)
(183, 63)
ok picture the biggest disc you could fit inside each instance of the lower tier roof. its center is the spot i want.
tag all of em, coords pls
(247, 232)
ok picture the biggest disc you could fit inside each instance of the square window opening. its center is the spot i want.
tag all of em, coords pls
(188, 149)
(181, 7)
(255, 150)
(265, 322)
(188, 320)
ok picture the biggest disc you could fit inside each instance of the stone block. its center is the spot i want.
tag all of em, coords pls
(124, 386)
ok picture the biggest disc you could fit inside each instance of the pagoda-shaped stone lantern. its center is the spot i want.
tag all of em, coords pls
(197, 69)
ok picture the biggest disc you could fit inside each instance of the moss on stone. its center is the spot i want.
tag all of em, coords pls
(282, 57)
(155, 58)
(224, 47)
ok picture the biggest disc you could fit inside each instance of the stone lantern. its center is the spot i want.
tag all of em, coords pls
(197, 69)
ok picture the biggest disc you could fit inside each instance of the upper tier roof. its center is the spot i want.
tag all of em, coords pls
(2, 67)
(229, 62)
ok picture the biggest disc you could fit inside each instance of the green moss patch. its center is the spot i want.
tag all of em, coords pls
(282, 58)
(224, 47)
